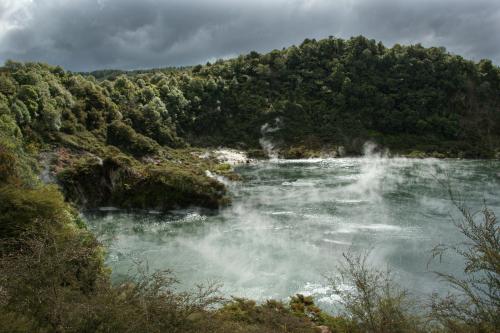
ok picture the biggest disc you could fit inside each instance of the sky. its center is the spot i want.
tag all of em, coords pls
(85, 35)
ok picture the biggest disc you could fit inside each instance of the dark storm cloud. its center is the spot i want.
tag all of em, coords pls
(91, 34)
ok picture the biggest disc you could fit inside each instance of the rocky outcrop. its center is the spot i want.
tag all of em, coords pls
(120, 181)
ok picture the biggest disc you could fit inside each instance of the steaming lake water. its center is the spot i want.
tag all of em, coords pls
(291, 220)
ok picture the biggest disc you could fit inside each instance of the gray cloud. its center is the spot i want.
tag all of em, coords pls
(93, 34)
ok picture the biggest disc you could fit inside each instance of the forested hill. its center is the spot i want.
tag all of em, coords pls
(346, 92)
(318, 95)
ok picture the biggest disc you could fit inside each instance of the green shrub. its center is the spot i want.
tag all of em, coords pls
(244, 315)
(475, 304)
(376, 303)
(126, 138)
(9, 168)
(21, 209)
(7, 85)
(57, 284)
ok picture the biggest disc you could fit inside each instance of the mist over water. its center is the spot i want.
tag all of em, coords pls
(291, 220)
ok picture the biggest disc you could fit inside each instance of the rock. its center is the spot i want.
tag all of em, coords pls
(225, 155)
(121, 182)
(230, 156)
(341, 151)
(323, 329)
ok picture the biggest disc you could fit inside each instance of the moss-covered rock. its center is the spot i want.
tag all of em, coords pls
(168, 186)
(299, 152)
(417, 154)
(118, 180)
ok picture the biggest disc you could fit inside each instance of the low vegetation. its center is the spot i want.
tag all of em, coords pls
(53, 280)
(476, 304)
(376, 303)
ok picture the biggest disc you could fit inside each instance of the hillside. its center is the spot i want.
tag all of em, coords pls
(336, 92)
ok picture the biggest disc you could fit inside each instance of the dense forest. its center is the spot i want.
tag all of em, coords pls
(334, 92)
(132, 139)
(321, 94)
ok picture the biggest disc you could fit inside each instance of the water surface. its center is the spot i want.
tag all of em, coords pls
(291, 220)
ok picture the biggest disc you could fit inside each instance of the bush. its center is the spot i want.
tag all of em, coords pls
(475, 306)
(20, 111)
(7, 86)
(57, 284)
(243, 315)
(22, 209)
(125, 137)
(8, 167)
(376, 303)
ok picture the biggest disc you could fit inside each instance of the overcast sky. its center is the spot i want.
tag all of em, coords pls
(85, 35)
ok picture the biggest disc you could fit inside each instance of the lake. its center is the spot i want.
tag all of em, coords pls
(291, 220)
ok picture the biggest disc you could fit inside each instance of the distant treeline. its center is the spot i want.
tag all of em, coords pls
(112, 74)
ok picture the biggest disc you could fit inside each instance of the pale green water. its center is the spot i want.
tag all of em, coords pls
(291, 220)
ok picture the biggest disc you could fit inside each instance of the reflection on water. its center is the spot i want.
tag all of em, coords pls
(291, 220)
